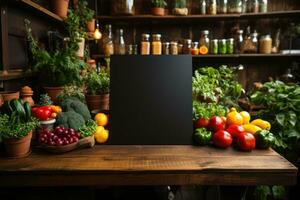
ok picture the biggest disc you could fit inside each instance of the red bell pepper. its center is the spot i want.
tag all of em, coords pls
(43, 113)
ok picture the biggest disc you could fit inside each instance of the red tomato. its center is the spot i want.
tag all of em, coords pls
(216, 123)
(222, 139)
(201, 123)
(246, 141)
(235, 130)
(42, 113)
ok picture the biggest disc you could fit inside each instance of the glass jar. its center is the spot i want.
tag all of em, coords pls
(180, 48)
(239, 42)
(222, 46)
(123, 7)
(235, 6)
(131, 49)
(202, 7)
(107, 42)
(214, 47)
(230, 46)
(211, 7)
(156, 44)
(120, 48)
(145, 44)
(263, 6)
(254, 40)
(187, 46)
(265, 44)
(222, 7)
(174, 48)
(252, 6)
(204, 39)
(195, 48)
(166, 48)
(244, 6)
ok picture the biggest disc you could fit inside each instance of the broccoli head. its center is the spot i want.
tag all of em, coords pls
(70, 119)
(74, 104)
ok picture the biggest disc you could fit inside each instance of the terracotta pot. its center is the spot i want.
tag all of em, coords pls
(158, 11)
(97, 102)
(9, 95)
(60, 7)
(18, 148)
(53, 92)
(26, 94)
(80, 51)
(91, 26)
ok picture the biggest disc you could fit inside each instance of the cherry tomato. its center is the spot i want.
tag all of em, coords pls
(246, 141)
(201, 123)
(222, 139)
(216, 123)
(235, 130)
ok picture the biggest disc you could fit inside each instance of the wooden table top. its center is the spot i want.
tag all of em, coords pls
(148, 165)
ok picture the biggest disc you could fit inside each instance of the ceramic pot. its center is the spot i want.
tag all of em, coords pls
(53, 93)
(90, 25)
(80, 52)
(158, 11)
(26, 94)
(97, 102)
(18, 148)
(60, 7)
(9, 95)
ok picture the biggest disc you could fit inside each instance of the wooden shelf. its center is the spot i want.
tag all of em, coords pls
(12, 75)
(191, 18)
(37, 8)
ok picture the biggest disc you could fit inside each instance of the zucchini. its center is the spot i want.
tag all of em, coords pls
(27, 109)
(17, 106)
(6, 108)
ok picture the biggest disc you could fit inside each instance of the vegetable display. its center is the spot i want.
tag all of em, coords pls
(202, 136)
(88, 129)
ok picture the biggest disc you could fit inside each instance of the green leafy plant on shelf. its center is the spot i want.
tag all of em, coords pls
(86, 14)
(159, 3)
(56, 68)
(97, 83)
(72, 91)
(180, 3)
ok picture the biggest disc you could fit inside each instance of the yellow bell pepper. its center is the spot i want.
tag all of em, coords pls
(233, 117)
(262, 124)
(251, 128)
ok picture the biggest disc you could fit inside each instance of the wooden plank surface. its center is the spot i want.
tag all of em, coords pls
(148, 165)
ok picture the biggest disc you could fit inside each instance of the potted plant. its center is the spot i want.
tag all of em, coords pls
(54, 69)
(86, 16)
(158, 7)
(180, 8)
(60, 7)
(97, 90)
(16, 125)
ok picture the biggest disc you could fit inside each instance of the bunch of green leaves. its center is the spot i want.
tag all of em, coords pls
(180, 3)
(88, 129)
(159, 3)
(206, 110)
(72, 91)
(86, 14)
(282, 110)
(56, 68)
(12, 128)
(97, 83)
(216, 86)
(45, 100)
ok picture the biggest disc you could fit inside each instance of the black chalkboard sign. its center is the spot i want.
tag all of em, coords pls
(151, 100)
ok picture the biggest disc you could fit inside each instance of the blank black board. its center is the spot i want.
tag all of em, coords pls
(151, 100)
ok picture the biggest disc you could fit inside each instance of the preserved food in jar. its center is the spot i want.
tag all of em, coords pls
(195, 50)
(108, 45)
(187, 46)
(252, 6)
(263, 6)
(214, 47)
(235, 6)
(204, 38)
(202, 7)
(180, 48)
(174, 48)
(156, 44)
(212, 7)
(145, 44)
(120, 48)
(222, 7)
(166, 48)
(222, 46)
(265, 44)
(123, 7)
(230, 46)
(239, 42)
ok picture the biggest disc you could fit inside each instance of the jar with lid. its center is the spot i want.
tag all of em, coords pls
(187, 46)
(230, 46)
(214, 47)
(107, 42)
(166, 48)
(239, 42)
(252, 6)
(222, 46)
(235, 6)
(202, 7)
(211, 7)
(174, 48)
(131, 49)
(195, 48)
(222, 7)
(180, 48)
(123, 7)
(263, 6)
(156, 44)
(145, 44)
(254, 40)
(265, 44)
(120, 48)
(204, 39)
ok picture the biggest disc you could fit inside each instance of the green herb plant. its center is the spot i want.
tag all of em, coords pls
(72, 91)
(180, 3)
(159, 3)
(45, 100)
(97, 83)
